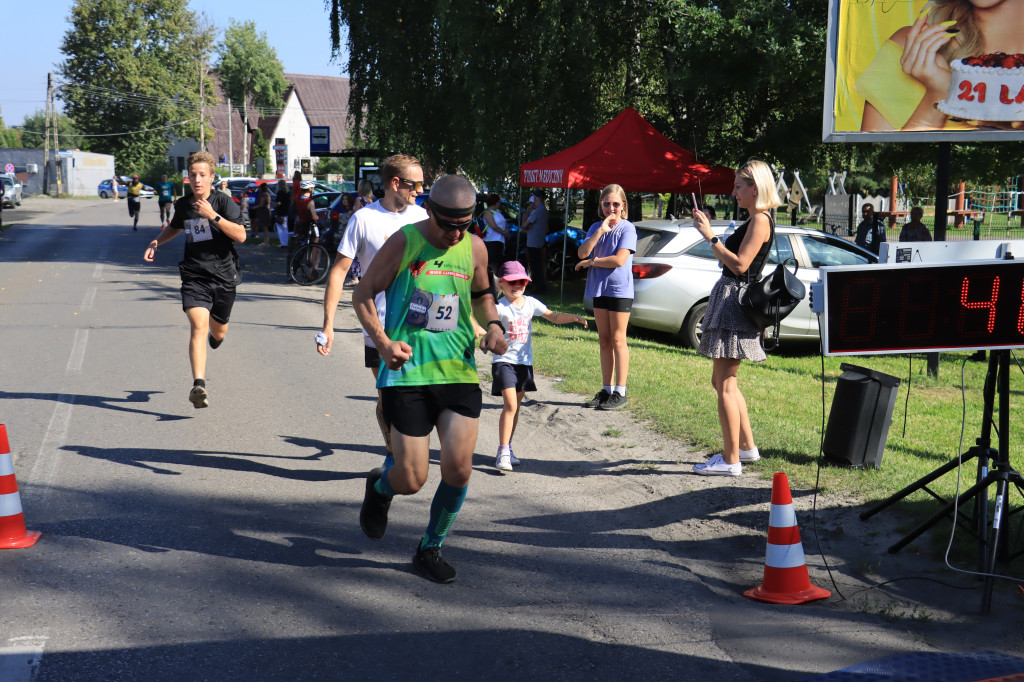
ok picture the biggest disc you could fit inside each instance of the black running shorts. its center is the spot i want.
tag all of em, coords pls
(216, 297)
(414, 410)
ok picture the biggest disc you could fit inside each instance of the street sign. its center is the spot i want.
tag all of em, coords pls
(319, 138)
(9, 168)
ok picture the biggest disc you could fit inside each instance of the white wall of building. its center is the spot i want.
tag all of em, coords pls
(294, 128)
(85, 171)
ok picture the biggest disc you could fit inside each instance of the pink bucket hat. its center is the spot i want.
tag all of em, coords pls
(512, 270)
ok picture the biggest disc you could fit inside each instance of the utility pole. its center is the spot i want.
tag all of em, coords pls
(56, 140)
(231, 143)
(46, 135)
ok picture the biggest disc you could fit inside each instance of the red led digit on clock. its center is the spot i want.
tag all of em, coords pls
(920, 298)
(990, 304)
(869, 292)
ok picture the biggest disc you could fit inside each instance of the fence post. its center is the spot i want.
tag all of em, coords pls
(851, 209)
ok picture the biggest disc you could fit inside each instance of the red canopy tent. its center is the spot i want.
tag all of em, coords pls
(630, 152)
(627, 151)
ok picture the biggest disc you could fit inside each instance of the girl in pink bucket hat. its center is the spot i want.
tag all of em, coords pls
(512, 373)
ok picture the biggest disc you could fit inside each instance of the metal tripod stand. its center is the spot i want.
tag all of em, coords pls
(992, 542)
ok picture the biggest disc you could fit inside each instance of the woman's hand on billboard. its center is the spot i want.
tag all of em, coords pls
(921, 59)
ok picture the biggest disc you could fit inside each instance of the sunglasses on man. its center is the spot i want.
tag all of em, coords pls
(451, 225)
(414, 184)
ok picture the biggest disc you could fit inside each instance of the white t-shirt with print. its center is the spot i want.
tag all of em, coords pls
(366, 232)
(519, 329)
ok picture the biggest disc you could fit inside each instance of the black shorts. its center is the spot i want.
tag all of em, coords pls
(506, 375)
(216, 297)
(164, 202)
(414, 410)
(371, 358)
(133, 205)
(613, 304)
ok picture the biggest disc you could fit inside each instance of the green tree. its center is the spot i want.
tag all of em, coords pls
(67, 133)
(250, 72)
(127, 77)
(9, 137)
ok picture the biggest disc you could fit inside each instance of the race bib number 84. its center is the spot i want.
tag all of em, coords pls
(199, 230)
(433, 312)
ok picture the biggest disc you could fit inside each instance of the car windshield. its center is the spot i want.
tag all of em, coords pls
(824, 251)
(8, 182)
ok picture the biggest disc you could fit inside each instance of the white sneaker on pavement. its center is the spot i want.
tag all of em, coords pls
(503, 463)
(512, 458)
(716, 466)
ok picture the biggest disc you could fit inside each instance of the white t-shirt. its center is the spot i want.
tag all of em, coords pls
(492, 235)
(518, 329)
(366, 232)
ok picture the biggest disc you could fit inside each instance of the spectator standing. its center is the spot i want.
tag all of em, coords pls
(607, 253)
(166, 194)
(282, 207)
(365, 234)
(209, 271)
(134, 203)
(497, 230)
(512, 372)
(535, 224)
(729, 335)
(915, 230)
(114, 187)
(261, 214)
(365, 194)
(435, 276)
(870, 230)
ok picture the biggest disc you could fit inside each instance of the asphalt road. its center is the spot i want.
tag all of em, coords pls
(223, 544)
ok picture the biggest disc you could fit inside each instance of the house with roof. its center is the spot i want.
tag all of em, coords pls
(308, 101)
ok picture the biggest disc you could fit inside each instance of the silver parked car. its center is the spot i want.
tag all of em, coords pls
(674, 271)
(12, 190)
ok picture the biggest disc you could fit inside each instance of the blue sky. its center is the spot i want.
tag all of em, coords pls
(33, 32)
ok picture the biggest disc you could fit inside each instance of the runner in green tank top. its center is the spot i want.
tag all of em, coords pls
(435, 276)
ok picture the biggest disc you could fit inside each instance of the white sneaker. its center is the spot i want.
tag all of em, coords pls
(716, 466)
(512, 458)
(503, 463)
(750, 455)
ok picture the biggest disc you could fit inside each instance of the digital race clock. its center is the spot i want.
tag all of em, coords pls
(897, 308)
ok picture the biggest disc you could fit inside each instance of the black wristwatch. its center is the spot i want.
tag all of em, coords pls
(714, 240)
(497, 322)
(216, 220)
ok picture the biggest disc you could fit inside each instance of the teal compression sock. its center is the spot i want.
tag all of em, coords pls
(383, 486)
(443, 510)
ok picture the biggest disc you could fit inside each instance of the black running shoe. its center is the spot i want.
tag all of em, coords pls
(430, 564)
(373, 516)
(198, 397)
(598, 399)
(616, 401)
(215, 343)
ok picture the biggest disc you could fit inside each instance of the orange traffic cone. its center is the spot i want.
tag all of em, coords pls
(785, 570)
(12, 522)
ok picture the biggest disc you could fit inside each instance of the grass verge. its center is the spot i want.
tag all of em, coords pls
(670, 388)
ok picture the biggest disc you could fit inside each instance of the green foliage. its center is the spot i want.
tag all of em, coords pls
(333, 165)
(9, 137)
(249, 70)
(67, 133)
(485, 85)
(128, 77)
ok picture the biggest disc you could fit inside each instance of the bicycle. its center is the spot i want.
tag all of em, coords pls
(310, 261)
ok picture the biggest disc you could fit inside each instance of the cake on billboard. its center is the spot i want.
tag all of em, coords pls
(913, 69)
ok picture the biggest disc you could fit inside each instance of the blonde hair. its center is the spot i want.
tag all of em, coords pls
(759, 174)
(201, 156)
(967, 42)
(614, 189)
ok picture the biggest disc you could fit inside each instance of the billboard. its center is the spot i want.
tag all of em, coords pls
(914, 70)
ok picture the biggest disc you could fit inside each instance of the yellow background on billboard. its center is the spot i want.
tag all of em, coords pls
(864, 25)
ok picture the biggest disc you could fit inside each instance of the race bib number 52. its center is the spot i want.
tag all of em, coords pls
(433, 312)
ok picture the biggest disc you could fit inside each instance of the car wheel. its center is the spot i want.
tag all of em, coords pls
(555, 264)
(691, 330)
(104, 195)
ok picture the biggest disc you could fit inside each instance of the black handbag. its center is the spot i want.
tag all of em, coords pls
(769, 301)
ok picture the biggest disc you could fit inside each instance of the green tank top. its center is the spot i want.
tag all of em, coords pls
(429, 307)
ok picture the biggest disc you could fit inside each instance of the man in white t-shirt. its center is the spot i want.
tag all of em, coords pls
(366, 232)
